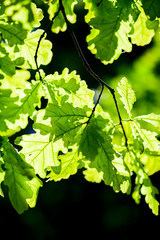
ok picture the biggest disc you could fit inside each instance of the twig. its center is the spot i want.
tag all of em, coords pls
(120, 120)
(36, 54)
(84, 61)
(94, 108)
(92, 73)
(39, 41)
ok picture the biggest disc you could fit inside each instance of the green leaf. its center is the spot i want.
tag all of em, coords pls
(28, 49)
(11, 157)
(41, 152)
(151, 8)
(84, 137)
(71, 85)
(151, 162)
(69, 165)
(136, 194)
(20, 179)
(107, 163)
(7, 104)
(143, 183)
(111, 29)
(15, 110)
(35, 183)
(13, 33)
(149, 191)
(142, 139)
(7, 66)
(103, 157)
(127, 95)
(150, 141)
(144, 30)
(123, 174)
(91, 174)
(13, 82)
(59, 23)
(23, 12)
(151, 118)
(65, 119)
(30, 98)
(91, 137)
(63, 128)
(111, 24)
(70, 82)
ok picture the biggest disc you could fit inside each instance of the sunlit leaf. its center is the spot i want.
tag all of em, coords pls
(14, 111)
(13, 81)
(151, 118)
(149, 140)
(19, 178)
(24, 12)
(127, 95)
(59, 23)
(69, 165)
(111, 24)
(28, 49)
(71, 85)
(144, 30)
(7, 66)
(91, 174)
(151, 162)
(149, 191)
(41, 152)
(13, 33)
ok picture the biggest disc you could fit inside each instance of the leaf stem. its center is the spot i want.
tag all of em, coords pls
(120, 119)
(39, 41)
(94, 108)
(36, 55)
(92, 73)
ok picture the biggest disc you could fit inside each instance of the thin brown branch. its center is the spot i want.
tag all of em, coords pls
(92, 73)
(36, 55)
(79, 50)
(39, 42)
(120, 119)
(94, 108)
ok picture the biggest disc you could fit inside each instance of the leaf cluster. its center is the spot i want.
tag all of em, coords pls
(72, 132)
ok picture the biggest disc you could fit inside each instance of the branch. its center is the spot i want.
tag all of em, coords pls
(39, 42)
(83, 59)
(36, 54)
(94, 108)
(92, 73)
(120, 120)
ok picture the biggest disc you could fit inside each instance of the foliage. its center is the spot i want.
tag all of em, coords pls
(73, 131)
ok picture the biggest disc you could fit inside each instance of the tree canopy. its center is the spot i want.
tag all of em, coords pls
(74, 130)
